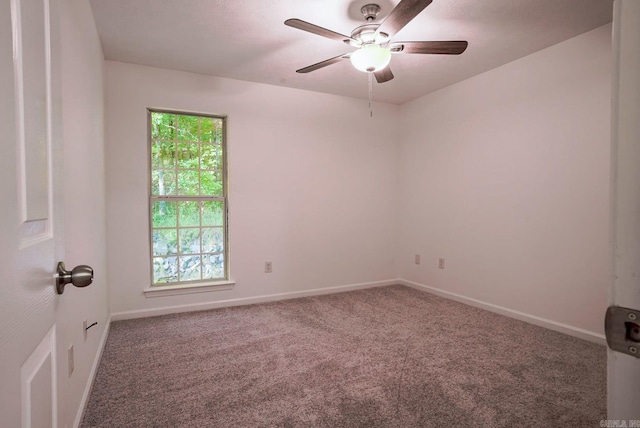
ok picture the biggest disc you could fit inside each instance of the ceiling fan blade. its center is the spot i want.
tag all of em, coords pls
(321, 31)
(324, 63)
(384, 75)
(444, 48)
(400, 16)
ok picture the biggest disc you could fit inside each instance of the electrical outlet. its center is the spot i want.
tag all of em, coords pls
(268, 267)
(71, 363)
(417, 259)
(441, 262)
(84, 329)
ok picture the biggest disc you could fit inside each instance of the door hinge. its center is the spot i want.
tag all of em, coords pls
(622, 328)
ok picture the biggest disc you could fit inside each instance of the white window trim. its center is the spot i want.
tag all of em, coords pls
(188, 287)
(174, 290)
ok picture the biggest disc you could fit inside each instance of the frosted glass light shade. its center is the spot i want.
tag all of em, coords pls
(371, 58)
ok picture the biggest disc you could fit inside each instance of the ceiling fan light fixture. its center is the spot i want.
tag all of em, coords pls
(371, 58)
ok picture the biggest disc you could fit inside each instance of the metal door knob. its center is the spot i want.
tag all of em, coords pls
(79, 276)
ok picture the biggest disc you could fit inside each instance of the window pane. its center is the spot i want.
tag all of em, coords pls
(165, 242)
(211, 157)
(164, 214)
(188, 183)
(211, 130)
(211, 182)
(212, 266)
(163, 126)
(213, 213)
(163, 182)
(217, 127)
(206, 129)
(190, 268)
(188, 128)
(188, 155)
(189, 213)
(189, 241)
(163, 155)
(212, 240)
(165, 269)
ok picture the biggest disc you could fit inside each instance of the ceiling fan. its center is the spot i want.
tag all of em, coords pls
(373, 40)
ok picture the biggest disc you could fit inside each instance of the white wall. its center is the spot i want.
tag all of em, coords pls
(312, 184)
(506, 175)
(84, 198)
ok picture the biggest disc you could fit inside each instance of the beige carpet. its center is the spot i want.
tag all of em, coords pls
(383, 357)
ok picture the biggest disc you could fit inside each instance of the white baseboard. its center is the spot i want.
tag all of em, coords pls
(532, 319)
(522, 316)
(117, 316)
(92, 374)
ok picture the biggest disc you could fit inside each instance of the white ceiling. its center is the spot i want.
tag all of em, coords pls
(247, 40)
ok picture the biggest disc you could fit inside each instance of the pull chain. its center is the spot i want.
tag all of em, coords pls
(370, 93)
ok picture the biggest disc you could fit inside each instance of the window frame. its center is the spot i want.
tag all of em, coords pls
(204, 284)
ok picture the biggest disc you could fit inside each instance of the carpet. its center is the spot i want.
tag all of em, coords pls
(382, 357)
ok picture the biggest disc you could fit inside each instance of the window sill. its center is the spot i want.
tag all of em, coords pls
(174, 290)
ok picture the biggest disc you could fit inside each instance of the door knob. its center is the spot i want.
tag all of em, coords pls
(80, 276)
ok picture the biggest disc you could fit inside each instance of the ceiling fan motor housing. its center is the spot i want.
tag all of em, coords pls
(366, 34)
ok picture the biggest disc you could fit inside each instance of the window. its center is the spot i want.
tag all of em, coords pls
(188, 198)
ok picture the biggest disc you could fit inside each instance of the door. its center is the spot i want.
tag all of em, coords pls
(623, 370)
(31, 226)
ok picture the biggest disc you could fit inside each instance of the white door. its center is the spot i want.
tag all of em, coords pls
(624, 370)
(30, 226)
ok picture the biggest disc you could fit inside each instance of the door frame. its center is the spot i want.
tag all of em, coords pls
(623, 371)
